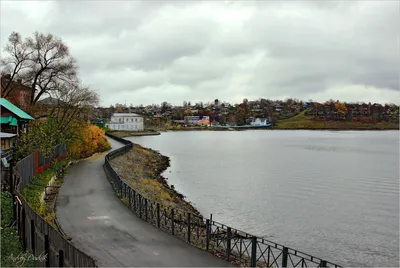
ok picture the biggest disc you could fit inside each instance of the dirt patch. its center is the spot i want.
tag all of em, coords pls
(141, 168)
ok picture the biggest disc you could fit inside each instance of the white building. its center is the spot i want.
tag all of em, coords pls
(126, 121)
(259, 122)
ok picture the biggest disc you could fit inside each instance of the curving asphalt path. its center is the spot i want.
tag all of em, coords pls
(104, 228)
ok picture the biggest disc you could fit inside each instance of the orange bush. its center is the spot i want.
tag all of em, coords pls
(90, 140)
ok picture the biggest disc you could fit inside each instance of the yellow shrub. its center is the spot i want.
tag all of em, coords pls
(90, 139)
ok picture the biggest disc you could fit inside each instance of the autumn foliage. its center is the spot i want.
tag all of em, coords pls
(90, 140)
(341, 109)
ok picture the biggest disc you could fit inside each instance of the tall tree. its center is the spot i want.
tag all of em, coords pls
(164, 106)
(42, 63)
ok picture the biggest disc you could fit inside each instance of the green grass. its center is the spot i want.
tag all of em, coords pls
(33, 191)
(10, 244)
(301, 121)
(6, 209)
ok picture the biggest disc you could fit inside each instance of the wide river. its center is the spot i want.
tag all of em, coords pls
(334, 195)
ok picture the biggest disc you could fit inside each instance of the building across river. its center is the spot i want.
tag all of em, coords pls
(126, 121)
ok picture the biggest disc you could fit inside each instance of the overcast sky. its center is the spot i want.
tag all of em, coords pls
(143, 53)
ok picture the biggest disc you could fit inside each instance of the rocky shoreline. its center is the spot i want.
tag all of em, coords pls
(141, 168)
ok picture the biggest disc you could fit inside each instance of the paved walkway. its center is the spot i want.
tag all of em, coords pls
(104, 228)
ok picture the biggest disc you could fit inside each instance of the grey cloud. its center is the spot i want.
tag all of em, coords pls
(226, 49)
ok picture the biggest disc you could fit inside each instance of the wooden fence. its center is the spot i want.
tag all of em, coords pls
(47, 244)
(36, 163)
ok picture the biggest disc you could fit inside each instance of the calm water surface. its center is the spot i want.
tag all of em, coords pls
(334, 195)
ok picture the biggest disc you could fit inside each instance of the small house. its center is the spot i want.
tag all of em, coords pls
(7, 140)
(13, 119)
(259, 122)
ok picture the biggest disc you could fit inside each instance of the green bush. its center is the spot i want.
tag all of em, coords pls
(6, 209)
(11, 254)
(33, 191)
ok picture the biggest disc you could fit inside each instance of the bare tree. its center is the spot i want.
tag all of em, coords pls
(42, 63)
(73, 101)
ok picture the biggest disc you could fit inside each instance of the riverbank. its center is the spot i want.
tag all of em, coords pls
(325, 126)
(303, 122)
(124, 134)
(141, 168)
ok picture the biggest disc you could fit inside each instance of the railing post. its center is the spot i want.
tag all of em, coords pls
(284, 256)
(134, 200)
(18, 218)
(61, 258)
(145, 209)
(46, 250)
(129, 197)
(322, 264)
(228, 242)
(140, 206)
(188, 227)
(158, 216)
(172, 222)
(33, 236)
(253, 251)
(208, 227)
(23, 230)
(15, 205)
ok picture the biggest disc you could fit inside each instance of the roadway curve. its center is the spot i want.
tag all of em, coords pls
(112, 234)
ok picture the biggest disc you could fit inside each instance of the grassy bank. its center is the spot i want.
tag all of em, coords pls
(11, 248)
(141, 168)
(301, 121)
(34, 190)
(124, 134)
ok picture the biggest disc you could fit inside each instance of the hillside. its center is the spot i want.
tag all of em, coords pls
(301, 121)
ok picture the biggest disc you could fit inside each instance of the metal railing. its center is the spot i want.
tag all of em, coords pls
(235, 246)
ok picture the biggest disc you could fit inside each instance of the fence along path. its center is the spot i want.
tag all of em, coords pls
(234, 245)
(48, 245)
(36, 163)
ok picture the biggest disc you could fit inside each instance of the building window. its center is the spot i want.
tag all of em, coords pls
(3, 144)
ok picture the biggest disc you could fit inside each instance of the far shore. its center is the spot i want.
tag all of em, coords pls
(363, 128)
(124, 134)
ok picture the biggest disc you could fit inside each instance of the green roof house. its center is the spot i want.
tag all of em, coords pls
(12, 118)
